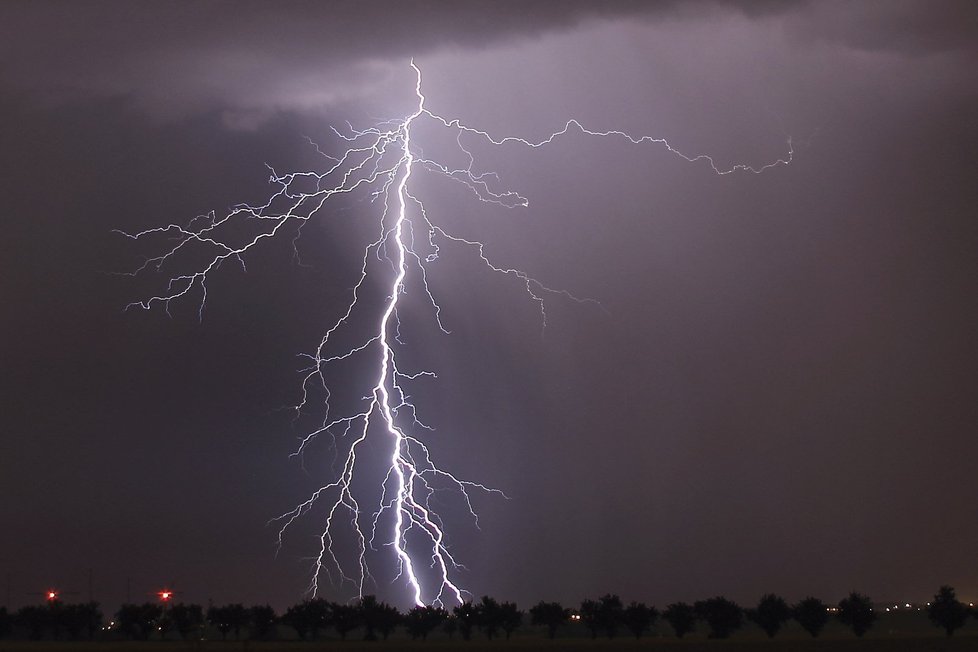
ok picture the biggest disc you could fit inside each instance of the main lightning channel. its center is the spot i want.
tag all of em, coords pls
(404, 471)
(381, 160)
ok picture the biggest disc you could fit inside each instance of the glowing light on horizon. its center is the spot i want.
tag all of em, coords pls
(380, 161)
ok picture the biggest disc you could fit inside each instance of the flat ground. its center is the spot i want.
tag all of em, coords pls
(909, 632)
(904, 644)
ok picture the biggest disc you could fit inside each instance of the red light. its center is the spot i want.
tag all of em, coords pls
(52, 595)
(166, 595)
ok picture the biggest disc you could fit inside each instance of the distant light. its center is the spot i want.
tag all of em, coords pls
(908, 605)
(887, 608)
(52, 595)
(165, 595)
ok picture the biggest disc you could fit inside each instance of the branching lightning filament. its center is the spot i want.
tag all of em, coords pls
(379, 161)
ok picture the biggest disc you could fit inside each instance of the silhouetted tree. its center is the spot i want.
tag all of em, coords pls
(369, 611)
(230, 616)
(303, 620)
(319, 614)
(239, 617)
(216, 616)
(421, 621)
(345, 618)
(56, 617)
(638, 618)
(262, 619)
(139, 620)
(488, 616)
(450, 626)
(589, 616)
(465, 619)
(128, 619)
(93, 618)
(389, 619)
(681, 617)
(722, 616)
(771, 613)
(6, 623)
(946, 611)
(378, 616)
(856, 611)
(34, 619)
(71, 618)
(187, 619)
(812, 614)
(603, 615)
(510, 618)
(74, 619)
(551, 614)
(165, 623)
(610, 614)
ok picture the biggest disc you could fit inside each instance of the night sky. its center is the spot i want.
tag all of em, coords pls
(779, 394)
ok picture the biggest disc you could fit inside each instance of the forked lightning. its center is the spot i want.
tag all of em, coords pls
(381, 162)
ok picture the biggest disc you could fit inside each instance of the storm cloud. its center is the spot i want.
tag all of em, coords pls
(257, 58)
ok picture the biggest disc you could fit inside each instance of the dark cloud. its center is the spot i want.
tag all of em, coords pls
(256, 58)
(174, 58)
(902, 26)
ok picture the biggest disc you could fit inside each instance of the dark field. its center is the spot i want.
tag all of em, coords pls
(907, 632)
(967, 643)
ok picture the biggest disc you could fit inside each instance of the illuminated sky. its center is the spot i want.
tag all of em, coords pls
(779, 396)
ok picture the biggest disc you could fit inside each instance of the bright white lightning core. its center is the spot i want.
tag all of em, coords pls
(380, 161)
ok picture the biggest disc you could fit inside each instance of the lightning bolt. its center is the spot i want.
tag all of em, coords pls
(380, 161)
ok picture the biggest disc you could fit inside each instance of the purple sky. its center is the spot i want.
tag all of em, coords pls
(779, 396)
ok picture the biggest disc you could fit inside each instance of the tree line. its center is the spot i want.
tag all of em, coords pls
(605, 616)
